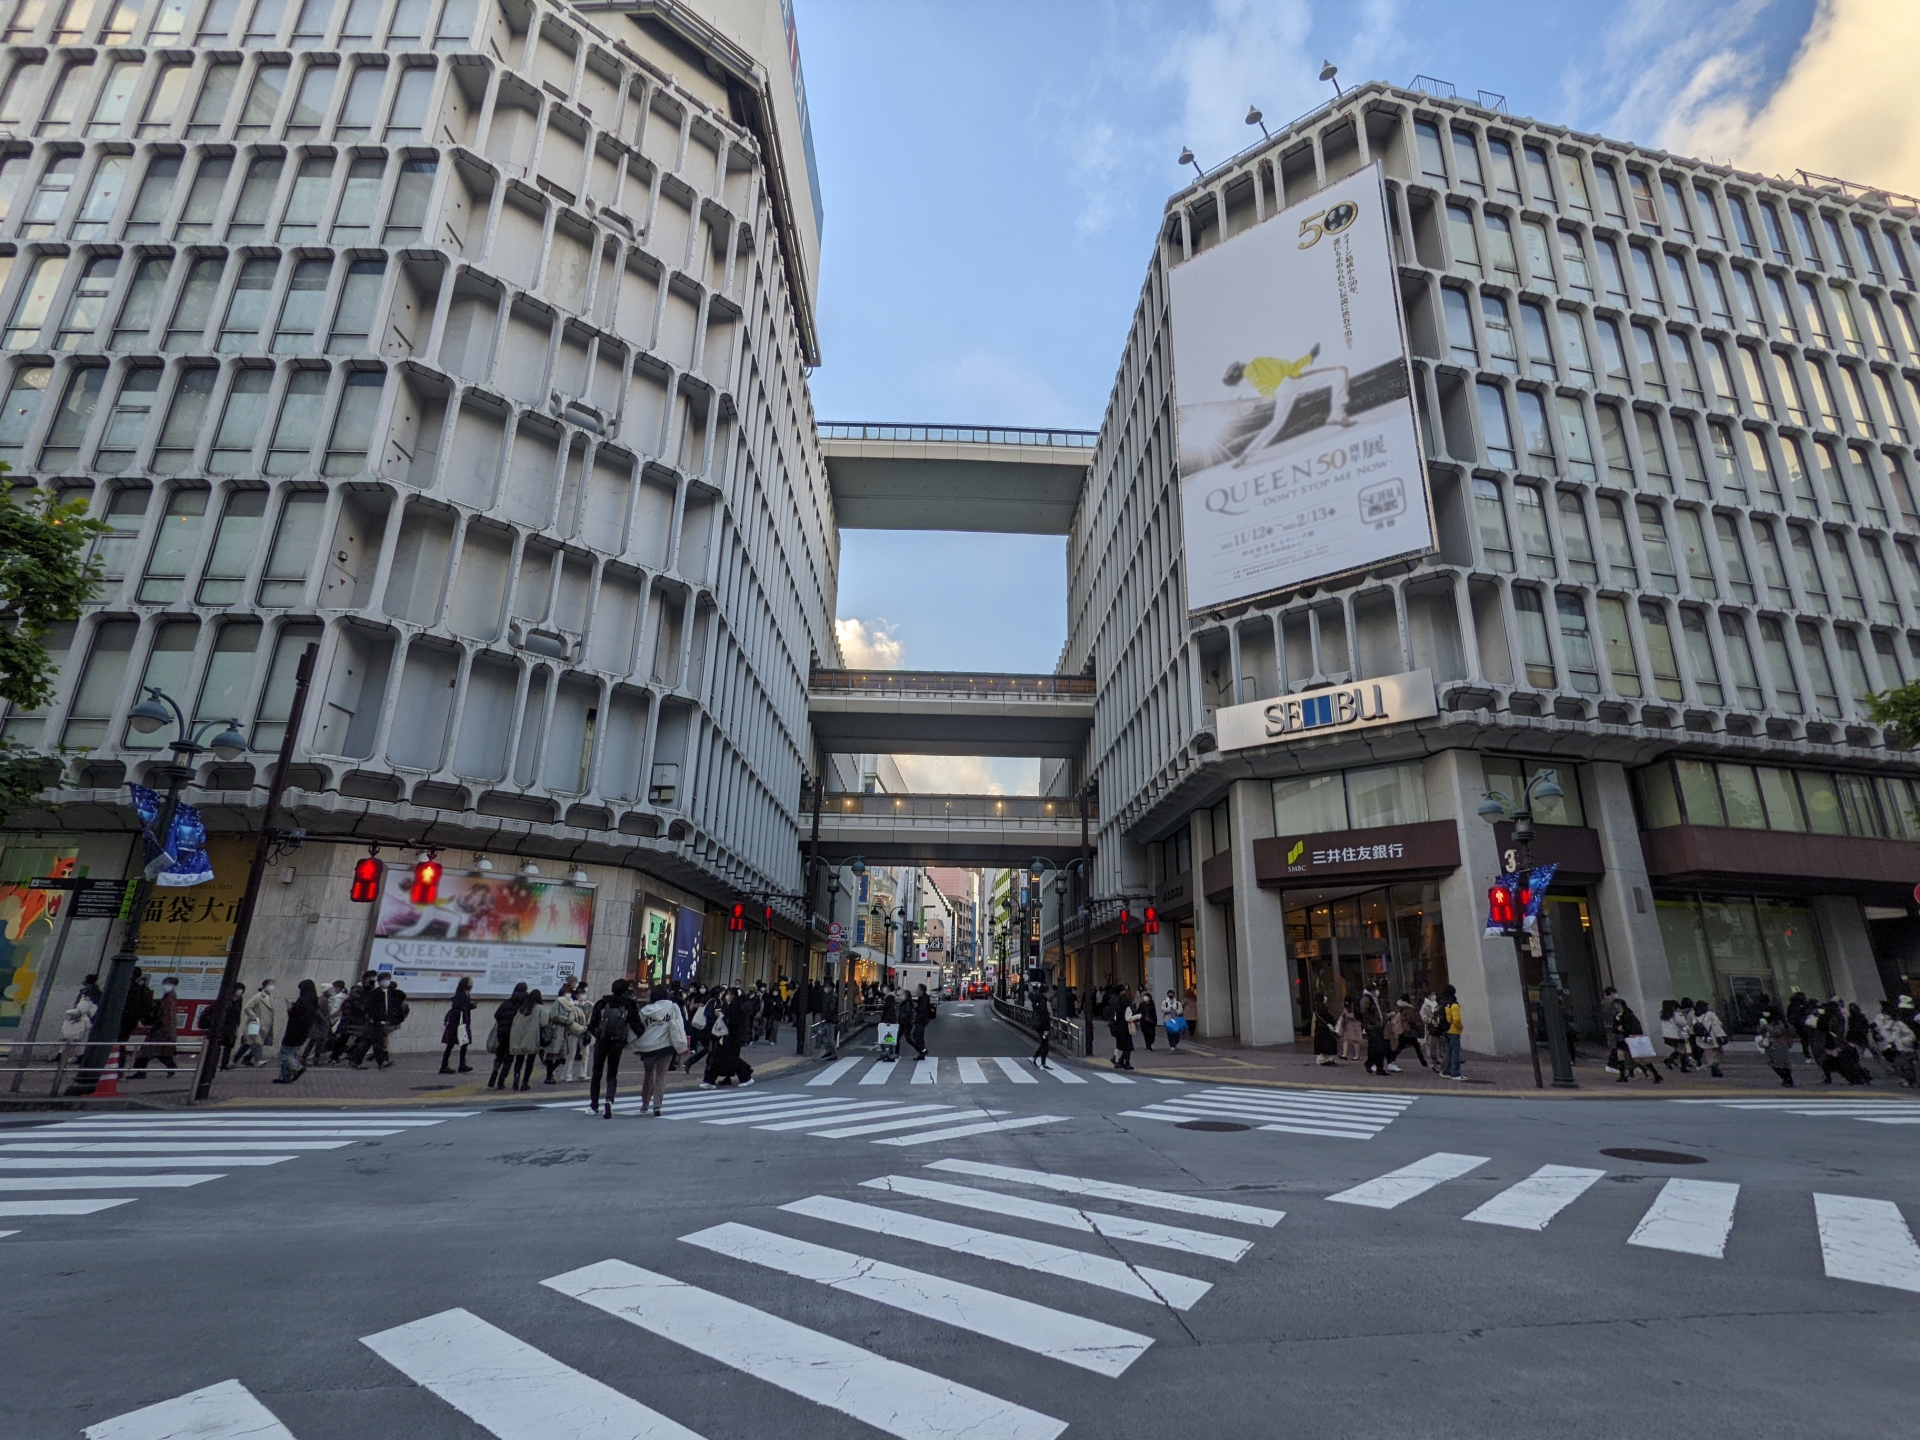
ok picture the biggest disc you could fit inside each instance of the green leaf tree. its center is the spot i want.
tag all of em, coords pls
(45, 577)
(1898, 713)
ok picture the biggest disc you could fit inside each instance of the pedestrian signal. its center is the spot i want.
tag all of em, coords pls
(367, 872)
(1152, 925)
(426, 881)
(738, 919)
(1126, 920)
(766, 918)
(1502, 916)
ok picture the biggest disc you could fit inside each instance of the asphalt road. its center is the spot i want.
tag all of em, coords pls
(534, 1272)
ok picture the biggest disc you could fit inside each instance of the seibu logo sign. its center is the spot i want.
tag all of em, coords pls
(1385, 701)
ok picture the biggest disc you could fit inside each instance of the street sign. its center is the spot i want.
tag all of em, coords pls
(101, 899)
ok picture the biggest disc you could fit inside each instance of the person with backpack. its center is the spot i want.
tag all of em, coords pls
(1407, 1029)
(1893, 1038)
(663, 1034)
(615, 1017)
(503, 1014)
(1709, 1036)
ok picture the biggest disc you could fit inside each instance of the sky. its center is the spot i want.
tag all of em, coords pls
(994, 174)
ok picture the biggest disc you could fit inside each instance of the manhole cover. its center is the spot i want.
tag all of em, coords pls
(1656, 1157)
(433, 1087)
(1211, 1125)
(506, 1109)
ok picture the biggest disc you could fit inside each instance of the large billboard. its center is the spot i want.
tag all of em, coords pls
(1299, 456)
(497, 930)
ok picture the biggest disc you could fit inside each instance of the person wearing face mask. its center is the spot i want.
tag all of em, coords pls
(163, 1030)
(256, 1024)
(302, 1015)
(386, 1008)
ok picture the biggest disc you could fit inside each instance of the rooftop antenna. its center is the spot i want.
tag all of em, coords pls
(1329, 72)
(1253, 118)
(1186, 158)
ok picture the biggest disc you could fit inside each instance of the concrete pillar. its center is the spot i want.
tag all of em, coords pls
(1213, 978)
(1162, 972)
(1848, 946)
(1636, 953)
(1263, 987)
(1485, 972)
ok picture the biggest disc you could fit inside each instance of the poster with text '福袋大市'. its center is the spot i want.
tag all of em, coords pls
(1299, 455)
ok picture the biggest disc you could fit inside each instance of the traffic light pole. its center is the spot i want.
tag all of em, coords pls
(1557, 1049)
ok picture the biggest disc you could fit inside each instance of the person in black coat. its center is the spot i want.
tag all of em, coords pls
(503, 1014)
(458, 1027)
(1043, 1023)
(302, 1015)
(614, 1021)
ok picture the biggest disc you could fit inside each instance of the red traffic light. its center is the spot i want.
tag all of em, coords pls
(426, 881)
(737, 920)
(1152, 925)
(367, 873)
(1500, 911)
(766, 918)
(1126, 920)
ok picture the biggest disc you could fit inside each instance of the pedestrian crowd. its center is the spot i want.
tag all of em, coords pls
(1372, 1028)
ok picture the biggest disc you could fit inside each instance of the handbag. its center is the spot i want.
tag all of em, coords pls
(253, 1029)
(1640, 1047)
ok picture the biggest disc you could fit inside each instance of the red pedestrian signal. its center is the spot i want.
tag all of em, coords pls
(1152, 925)
(1500, 909)
(766, 918)
(1126, 920)
(426, 881)
(367, 873)
(738, 919)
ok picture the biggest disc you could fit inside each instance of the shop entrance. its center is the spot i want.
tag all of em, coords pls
(1340, 942)
(1580, 958)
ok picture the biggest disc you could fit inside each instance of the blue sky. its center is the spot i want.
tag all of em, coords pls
(994, 173)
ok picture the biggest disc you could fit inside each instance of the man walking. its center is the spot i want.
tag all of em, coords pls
(163, 1030)
(615, 1017)
(922, 1013)
(1043, 1022)
(385, 1006)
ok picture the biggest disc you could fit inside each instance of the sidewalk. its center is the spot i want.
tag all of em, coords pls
(415, 1079)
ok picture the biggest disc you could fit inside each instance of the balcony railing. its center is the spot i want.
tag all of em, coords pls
(938, 682)
(1059, 809)
(964, 434)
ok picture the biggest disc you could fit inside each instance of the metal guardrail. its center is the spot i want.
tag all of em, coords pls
(953, 807)
(942, 682)
(37, 1074)
(1068, 1035)
(962, 434)
(826, 1037)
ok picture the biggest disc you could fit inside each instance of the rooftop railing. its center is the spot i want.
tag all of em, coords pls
(964, 434)
(941, 682)
(1055, 808)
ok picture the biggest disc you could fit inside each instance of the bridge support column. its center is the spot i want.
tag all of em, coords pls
(1263, 988)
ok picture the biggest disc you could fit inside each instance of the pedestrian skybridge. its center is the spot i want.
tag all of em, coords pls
(955, 477)
(923, 712)
(963, 830)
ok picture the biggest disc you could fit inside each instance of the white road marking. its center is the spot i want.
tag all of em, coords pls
(970, 1071)
(226, 1411)
(207, 1117)
(164, 1147)
(1181, 1292)
(932, 1115)
(510, 1389)
(1397, 1187)
(879, 1072)
(897, 1399)
(1113, 1079)
(18, 1209)
(927, 1071)
(852, 1112)
(138, 1162)
(204, 1133)
(1531, 1203)
(1056, 1334)
(985, 1127)
(1067, 1077)
(103, 1182)
(825, 1110)
(1013, 1070)
(1693, 1217)
(834, 1071)
(1867, 1241)
(1125, 1194)
(1066, 1217)
(1177, 1117)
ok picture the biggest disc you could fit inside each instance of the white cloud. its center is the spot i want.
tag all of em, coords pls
(870, 645)
(968, 775)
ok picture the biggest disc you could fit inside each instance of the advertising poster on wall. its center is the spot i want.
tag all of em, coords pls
(1299, 456)
(497, 930)
(29, 922)
(686, 945)
(186, 932)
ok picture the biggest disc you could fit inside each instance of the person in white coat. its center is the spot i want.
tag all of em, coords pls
(663, 1035)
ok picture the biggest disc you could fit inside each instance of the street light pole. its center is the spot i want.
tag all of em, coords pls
(1543, 786)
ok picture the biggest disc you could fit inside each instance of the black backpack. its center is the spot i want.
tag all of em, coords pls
(614, 1024)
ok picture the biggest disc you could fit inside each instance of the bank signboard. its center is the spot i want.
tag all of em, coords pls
(1299, 456)
(1358, 706)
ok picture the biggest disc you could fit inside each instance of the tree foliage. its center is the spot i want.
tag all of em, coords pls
(1898, 713)
(45, 578)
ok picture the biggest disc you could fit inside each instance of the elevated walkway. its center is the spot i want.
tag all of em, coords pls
(962, 830)
(923, 712)
(955, 477)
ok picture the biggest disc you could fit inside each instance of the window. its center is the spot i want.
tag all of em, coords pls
(1880, 579)
(256, 198)
(310, 29)
(1776, 237)
(110, 109)
(1614, 632)
(1573, 184)
(233, 546)
(1643, 210)
(1535, 653)
(1895, 418)
(1491, 517)
(1863, 421)
(216, 94)
(1723, 392)
(103, 195)
(1466, 162)
(264, 24)
(1466, 250)
(300, 412)
(407, 122)
(218, 21)
(1869, 252)
(276, 696)
(353, 224)
(13, 171)
(124, 515)
(353, 321)
(1533, 530)
(1792, 395)
(1815, 315)
(1653, 454)
(163, 103)
(1836, 247)
(1506, 177)
(127, 425)
(174, 546)
(295, 543)
(1612, 353)
(1849, 323)
(36, 298)
(61, 109)
(137, 310)
(1533, 320)
(1746, 680)
(1576, 643)
(310, 105)
(1877, 322)
(1500, 251)
(1720, 311)
(87, 303)
(1676, 208)
(1804, 230)
(352, 433)
(150, 205)
(23, 21)
(241, 424)
(1648, 353)
(263, 100)
(301, 222)
(1660, 652)
(1613, 536)
(169, 666)
(203, 200)
(1654, 544)
(1726, 465)
(1773, 644)
(1845, 577)
(1573, 257)
(1733, 556)
(358, 26)
(1539, 253)
(23, 86)
(1613, 439)
(1693, 546)
(1500, 350)
(1577, 539)
(49, 196)
(1493, 420)
(1783, 315)
(1706, 675)
(1573, 343)
(70, 421)
(1759, 398)
(409, 213)
(1610, 273)
(1386, 795)
(1433, 162)
(1833, 480)
(363, 101)
(1645, 279)
(180, 436)
(1685, 374)
(1826, 697)
(1856, 667)
(1539, 177)
(1533, 423)
(195, 306)
(247, 307)
(223, 693)
(1801, 543)
(1773, 571)
(99, 687)
(1755, 317)
(1903, 494)
(1310, 804)
(456, 33)
(300, 312)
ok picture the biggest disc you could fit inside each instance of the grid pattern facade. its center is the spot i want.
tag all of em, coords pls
(454, 335)
(1669, 410)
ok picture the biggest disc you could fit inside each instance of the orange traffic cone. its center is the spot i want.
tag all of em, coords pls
(110, 1077)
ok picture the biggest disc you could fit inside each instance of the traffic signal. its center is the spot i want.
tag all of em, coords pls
(1126, 920)
(426, 881)
(737, 920)
(1502, 917)
(766, 918)
(367, 873)
(1152, 925)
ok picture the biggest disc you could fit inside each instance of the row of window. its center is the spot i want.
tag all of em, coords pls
(1750, 565)
(1350, 799)
(296, 24)
(1556, 182)
(1764, 797)
(336, 199)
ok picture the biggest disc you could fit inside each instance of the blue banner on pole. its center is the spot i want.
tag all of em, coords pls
(1537, 883)
(187, 844)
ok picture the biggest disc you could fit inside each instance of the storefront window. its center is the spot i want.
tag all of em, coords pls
(1745, 797)
(1310, 804)
(1389, 937)
(1511, 776)
(1741, 952)
(1352, 799)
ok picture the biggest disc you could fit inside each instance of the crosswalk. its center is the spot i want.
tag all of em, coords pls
(1861, 1239)
(828, 1117)
(512, 1389)
(1341, 1114)
(1890, 1111)
(967, 1070)
(100, 1162)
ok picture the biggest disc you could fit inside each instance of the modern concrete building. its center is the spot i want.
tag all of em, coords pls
(1668, 410)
